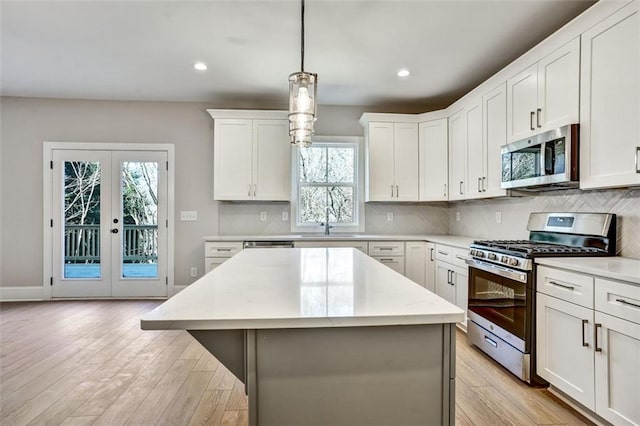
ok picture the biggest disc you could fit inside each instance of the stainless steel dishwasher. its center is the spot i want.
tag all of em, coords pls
(267, 244)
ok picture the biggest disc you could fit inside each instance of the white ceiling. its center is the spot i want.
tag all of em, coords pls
(144, 50)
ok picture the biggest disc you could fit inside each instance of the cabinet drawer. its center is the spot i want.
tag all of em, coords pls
(211, 263)
(386, 248)
(565, 285)
(221, 249)
(618, 299)
(394, 262)
(453, 255)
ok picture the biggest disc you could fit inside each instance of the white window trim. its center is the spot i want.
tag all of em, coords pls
(359, 186)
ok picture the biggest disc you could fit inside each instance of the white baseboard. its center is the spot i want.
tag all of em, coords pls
(21, 294)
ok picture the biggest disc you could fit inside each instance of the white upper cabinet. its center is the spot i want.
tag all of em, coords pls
(433, 160)
(392, 161)
(494, 107)
(475, 150)
(610, 102)
(252, 159)
(545, 95)
(457, 155)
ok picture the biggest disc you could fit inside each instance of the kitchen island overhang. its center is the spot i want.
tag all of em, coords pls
(323, 336)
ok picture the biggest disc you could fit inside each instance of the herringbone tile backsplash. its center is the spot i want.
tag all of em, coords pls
(478, 218)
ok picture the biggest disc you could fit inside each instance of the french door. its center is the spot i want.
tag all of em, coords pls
(109, 223)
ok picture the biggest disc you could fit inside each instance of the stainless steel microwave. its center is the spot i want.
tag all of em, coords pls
(548, 159)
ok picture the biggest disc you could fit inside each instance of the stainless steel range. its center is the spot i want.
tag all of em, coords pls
(502, 282)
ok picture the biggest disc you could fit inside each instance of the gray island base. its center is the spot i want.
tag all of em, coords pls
(362, 347)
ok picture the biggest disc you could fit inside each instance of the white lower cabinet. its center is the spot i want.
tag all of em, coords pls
(591, 352)
(391, 253)
(452, 277)
(416, 261)
(216, 253)
(430, 274)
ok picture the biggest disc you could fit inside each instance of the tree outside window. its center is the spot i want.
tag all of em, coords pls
(327, 181)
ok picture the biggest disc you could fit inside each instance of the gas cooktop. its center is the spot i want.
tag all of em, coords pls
(528, 248)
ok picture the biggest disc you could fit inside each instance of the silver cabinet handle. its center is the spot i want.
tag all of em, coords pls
(385, 248)
(624, 302)
(387, 261)
(431, 254)
(595, 338)
(491, 342)
(391, 191)
(223, 249)
(461, 182)
(538, 112)
(445, 189)
(397, 192)
(255, 189)
(479, 183)
(584, 343)
(637, 159)
(568, 287)
(444, 253)
(249, 191)
(461, 257)
(531, 120)
(484, 184)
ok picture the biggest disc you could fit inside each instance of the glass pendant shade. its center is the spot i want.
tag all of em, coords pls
(302, 107)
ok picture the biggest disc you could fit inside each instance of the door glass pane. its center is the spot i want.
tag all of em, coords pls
(139, 219)
(82, 219)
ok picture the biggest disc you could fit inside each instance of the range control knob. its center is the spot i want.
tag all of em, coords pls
(472, 252)
(513, 262)
(504, 259)
(492, 256)
(480, 253)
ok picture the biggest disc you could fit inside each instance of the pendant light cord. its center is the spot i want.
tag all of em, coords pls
(302, 37)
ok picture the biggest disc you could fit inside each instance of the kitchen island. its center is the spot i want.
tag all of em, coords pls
(323, 336)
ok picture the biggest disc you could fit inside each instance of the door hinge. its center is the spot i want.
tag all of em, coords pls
(51, 164)
(166, 280)
(51, 281)
(52, 223)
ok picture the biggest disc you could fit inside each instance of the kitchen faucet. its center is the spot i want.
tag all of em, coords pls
(326, 223)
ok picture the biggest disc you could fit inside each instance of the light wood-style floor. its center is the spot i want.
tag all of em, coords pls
(88, 362)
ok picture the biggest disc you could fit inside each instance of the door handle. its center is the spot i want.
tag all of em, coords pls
(595, 338)
(568, 287)
(391, 191)
(538, 112)
(114, 231)
(479, 183)
(637, 159)
(531, 120)
(584, 322)
(484, 184)
(255, 189)
(397, 192)
(431, 254)
(461, 182)
(491, 342)
(445, 190)
(249, 191)
(624, 302)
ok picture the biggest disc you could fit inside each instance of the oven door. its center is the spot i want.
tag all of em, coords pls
(500, 302)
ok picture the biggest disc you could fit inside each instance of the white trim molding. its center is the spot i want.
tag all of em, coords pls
(249, 114)
(21, 294)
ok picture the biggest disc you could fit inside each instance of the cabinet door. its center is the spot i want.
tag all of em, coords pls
(445, 288)
(433, 168)
(271, 160)
(430, 276)
(380, 182)
(565, 347)
(457, 156)
(559, 88)
(405, 154)
(232, 142)
(617, 370)
(461, 283)
(522, 102)
(494, 109)
(416, 261)
(610, 102)
(475, 151)
(394, 262)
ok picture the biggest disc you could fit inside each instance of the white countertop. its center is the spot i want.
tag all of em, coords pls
(300, 288)
(619, 268)
(451, 240)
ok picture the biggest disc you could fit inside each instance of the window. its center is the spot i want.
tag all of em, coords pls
(326, 182)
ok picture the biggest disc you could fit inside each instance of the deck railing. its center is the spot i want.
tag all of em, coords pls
(82, 243)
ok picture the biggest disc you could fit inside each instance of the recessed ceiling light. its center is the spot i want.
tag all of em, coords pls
(404, 73)
(200, 66)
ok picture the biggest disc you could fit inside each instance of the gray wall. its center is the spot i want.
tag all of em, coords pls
(478, 218)
(28, 122)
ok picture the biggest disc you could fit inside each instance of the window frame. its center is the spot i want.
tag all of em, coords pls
(337, 228)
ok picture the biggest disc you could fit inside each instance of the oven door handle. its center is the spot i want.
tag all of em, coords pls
(512, 274)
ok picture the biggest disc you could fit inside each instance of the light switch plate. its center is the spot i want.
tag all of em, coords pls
(263, 216)
(389, 216)
(188, 215)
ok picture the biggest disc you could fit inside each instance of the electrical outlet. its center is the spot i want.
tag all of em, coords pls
(498, 217)
(389, 216)
(263, 216)
(194, 271)
(457, 216)
(188, 216)
(285, 216)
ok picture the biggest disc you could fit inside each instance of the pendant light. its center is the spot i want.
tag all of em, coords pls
(302, 98)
